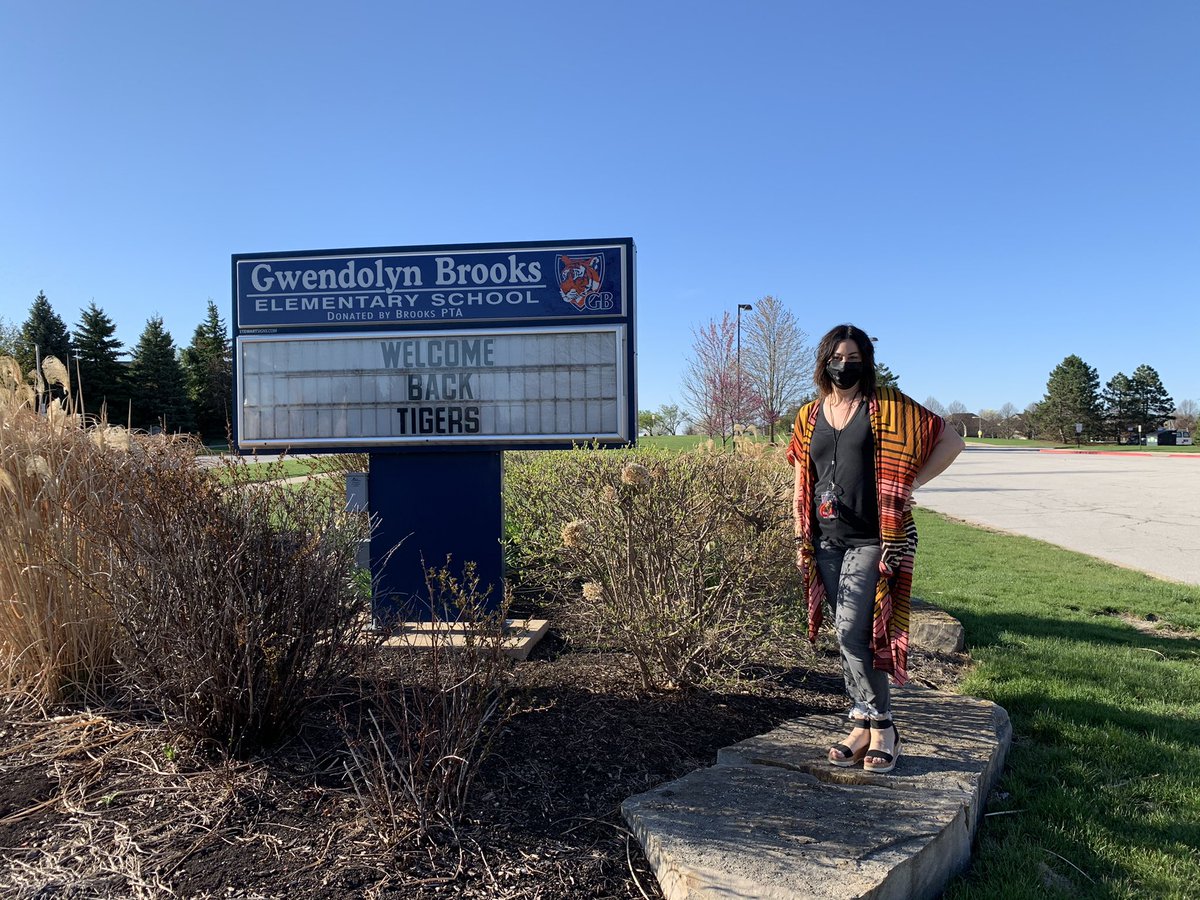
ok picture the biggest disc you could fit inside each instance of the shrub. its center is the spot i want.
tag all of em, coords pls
(237, 599)
(431, 719)
(685, 560)
(231, 605)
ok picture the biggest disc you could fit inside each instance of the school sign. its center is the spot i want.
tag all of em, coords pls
(435, 360)
(497, 346)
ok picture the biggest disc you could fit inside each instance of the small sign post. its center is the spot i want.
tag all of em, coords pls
(434, 360)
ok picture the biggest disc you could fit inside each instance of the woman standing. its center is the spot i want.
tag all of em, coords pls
(859, 452)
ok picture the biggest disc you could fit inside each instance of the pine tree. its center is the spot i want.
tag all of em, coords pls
(1117, 401)
(208, 365)
(885, 377)
(1151, 404)
(1072, 396)
(157, 383)
(44, 333)
(99, 373)
(9, 334)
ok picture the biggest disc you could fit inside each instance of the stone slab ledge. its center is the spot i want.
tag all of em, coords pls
(772, 819)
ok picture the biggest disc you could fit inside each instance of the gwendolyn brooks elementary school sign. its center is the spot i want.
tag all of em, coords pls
(434, 360)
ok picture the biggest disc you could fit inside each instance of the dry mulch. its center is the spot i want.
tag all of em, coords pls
(94, 805)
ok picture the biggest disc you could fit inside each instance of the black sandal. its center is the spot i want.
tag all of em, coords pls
(880, 761)
(850, 757)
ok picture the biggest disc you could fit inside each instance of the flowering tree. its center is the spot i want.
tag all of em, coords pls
(720, 399)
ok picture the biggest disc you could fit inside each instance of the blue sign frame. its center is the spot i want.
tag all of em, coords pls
(425, 288)
(449, 285)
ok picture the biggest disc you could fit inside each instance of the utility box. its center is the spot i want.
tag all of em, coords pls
(356, 492)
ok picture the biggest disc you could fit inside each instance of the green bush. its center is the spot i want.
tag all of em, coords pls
(685, 560)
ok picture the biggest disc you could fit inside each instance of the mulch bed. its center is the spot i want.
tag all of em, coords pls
(94, 805)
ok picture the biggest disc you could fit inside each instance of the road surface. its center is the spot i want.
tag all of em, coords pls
(1138, 511)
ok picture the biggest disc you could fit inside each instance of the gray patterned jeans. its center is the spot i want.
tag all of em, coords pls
(850, 575)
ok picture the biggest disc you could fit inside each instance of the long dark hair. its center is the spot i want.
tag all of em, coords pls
(866, 347)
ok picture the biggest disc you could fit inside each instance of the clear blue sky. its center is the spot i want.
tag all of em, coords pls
(986, 187)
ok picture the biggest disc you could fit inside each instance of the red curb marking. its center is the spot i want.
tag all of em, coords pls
(1119, 453)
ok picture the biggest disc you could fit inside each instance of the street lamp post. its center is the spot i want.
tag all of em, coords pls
(740, 307)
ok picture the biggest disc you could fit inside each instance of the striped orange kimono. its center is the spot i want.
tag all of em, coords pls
(904, 434)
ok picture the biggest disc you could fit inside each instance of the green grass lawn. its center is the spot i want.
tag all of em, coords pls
(290, 467)
(682, 442)
(1101, 793)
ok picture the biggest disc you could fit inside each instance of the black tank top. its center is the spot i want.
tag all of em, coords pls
(850, 477)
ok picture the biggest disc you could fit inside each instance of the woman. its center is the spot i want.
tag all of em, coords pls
(859, 453)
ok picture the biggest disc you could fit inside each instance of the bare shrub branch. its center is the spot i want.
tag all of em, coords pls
(686, 561)
(430, 716)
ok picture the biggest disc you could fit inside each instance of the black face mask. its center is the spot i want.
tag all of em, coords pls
(844, 374)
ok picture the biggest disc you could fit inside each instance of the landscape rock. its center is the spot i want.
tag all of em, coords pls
(774, 820)
(932, 629)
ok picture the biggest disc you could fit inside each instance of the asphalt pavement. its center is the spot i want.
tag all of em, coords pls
(1134, 510)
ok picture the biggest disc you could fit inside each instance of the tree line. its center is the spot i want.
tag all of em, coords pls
(767, 382)
(158, 386)
(1126, 407)
(759, 375)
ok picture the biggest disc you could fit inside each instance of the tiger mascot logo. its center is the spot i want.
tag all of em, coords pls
(579, 278)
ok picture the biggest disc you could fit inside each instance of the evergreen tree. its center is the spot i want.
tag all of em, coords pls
(885, 377)
(208, 365)
(157, 383)
(1151, 403)
(44, 333)
(9, 334)
(1117, 400)
(1072, 396)
(99, 374)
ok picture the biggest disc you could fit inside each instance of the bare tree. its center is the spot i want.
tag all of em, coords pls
(777, 359)
(719, 399)
(934, 406)
(989, 420)
(958, 415)
(1185, 415)
(670, 417)
(1009, 422)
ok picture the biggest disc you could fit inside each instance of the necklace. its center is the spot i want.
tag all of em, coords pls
(853, 408)
(829, 501)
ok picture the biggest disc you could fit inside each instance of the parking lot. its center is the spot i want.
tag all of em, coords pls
(1140, 511)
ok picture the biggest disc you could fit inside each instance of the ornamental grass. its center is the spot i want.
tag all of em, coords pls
(57, 635)
(128, 569)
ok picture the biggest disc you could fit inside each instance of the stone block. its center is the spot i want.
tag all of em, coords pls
(932, 629)
(766, 832)
(774, 820)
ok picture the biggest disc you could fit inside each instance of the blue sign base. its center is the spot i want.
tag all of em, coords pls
(428, 506)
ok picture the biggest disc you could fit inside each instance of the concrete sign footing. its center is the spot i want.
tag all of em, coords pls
(772, 819)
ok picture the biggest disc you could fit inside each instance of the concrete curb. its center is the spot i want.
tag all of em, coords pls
(772, 819)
